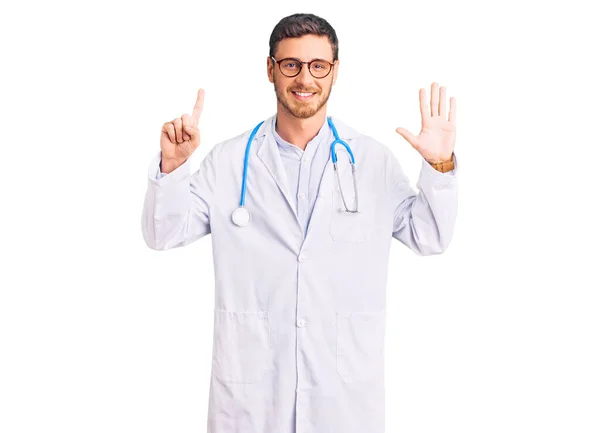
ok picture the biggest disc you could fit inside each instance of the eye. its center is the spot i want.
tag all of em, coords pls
(320, 65)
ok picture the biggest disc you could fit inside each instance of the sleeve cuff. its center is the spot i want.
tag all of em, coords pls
(156, 177)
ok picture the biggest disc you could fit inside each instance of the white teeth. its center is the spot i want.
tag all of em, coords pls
(303, 94)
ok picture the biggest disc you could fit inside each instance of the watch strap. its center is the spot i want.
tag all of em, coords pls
(443, 166)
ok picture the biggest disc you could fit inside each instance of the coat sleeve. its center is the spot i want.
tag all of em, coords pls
(177, 205)
(423, 221)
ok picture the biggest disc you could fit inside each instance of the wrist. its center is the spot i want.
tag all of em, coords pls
(169, 165)
(443, 165)
(443, 158)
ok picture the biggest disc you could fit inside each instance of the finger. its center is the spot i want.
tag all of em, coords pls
(443, 102)
(424, 107)
(198, 108)
(178, 129)
(452, 115)
(408, 136)
(170, 130)
(192, 131)
(435, 98)
(185, 120)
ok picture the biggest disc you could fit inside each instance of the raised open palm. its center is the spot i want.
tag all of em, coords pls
(437, 138)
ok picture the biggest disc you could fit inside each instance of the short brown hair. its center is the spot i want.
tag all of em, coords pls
(297, 25)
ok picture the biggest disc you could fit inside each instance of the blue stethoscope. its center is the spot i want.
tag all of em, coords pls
(241, 216)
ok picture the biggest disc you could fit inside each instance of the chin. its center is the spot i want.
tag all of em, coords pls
(299, 109)
(304, 113)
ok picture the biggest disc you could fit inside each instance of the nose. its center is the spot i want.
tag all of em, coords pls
(304, 78)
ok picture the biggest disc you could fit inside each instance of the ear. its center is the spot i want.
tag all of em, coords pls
(270, 68)
(335, 71)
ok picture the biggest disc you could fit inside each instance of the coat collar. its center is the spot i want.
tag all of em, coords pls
(345, 132)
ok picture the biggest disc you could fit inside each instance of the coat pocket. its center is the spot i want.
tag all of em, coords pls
(360, 345)
(241, 345)
(347, 226)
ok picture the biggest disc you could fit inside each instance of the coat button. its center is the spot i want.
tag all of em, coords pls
(301, 258)
(301, 323)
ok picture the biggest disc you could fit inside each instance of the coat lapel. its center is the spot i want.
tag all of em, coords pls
(327, 185)
(268, 153)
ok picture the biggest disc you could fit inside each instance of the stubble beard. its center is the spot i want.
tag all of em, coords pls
(299, 109)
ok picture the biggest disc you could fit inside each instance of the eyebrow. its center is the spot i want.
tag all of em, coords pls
(296, 58)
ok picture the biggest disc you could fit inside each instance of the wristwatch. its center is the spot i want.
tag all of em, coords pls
(444, 166)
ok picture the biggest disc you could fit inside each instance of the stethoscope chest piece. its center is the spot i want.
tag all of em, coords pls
(241, 216)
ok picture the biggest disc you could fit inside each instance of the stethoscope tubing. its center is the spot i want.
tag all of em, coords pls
(241, 216)
(243, 199)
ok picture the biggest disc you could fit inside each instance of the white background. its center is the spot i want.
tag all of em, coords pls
(99, 333)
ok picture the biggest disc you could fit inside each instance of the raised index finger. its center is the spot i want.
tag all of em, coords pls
(198, 108)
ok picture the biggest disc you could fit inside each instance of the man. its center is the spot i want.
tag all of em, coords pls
(299, 315)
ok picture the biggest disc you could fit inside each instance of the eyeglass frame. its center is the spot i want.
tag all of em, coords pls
(302, 65)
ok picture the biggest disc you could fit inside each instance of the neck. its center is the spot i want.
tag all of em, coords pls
(299, 131)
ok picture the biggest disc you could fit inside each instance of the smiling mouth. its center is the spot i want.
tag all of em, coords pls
(303, 96)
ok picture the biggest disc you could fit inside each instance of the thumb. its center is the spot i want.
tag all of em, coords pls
(408, 136)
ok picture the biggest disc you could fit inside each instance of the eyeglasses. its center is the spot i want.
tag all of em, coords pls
(290, 67)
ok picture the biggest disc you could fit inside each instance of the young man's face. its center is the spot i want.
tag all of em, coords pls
(305, 48)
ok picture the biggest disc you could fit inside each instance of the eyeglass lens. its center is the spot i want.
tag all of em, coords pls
(291, 67)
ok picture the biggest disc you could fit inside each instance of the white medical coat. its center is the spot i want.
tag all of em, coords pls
(304, 169)
(299, 321)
